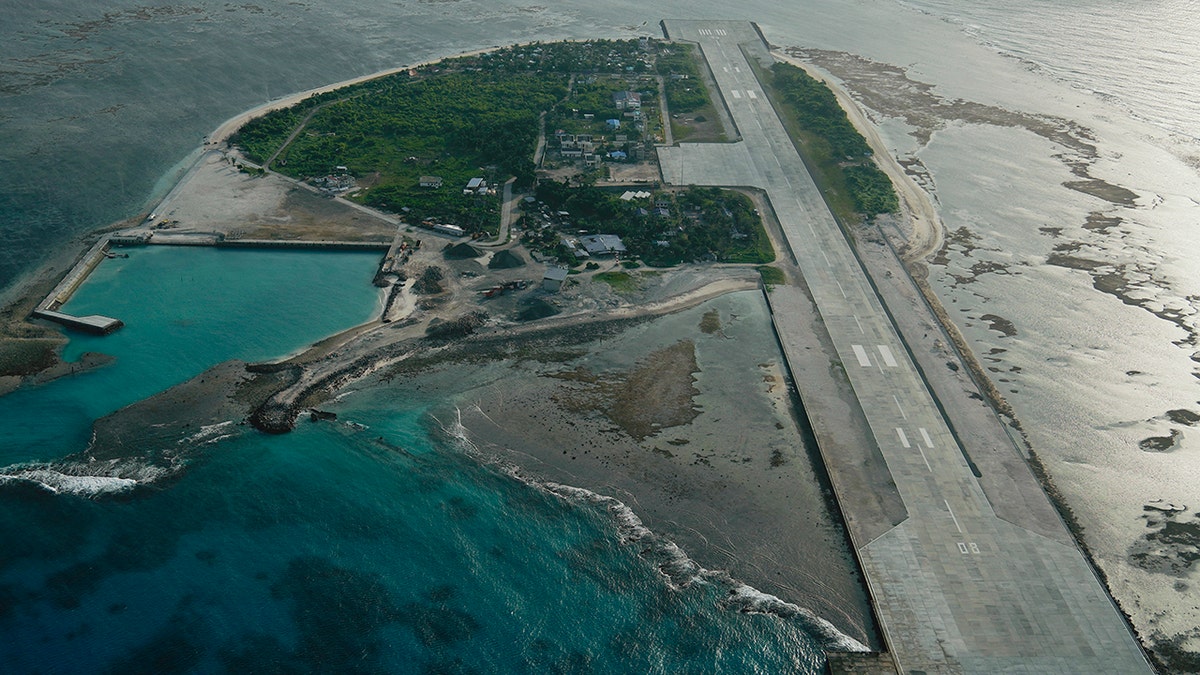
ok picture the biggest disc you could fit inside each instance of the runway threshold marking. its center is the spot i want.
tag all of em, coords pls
(736, 93)
(751, 94)
(861, 355)
(925, 435)
(886, 353)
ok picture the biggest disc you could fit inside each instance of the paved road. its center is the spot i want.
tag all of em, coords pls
(956, 588)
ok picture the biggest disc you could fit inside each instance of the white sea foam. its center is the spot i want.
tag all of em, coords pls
(87, 479)
(681, 571)
(751, 600)
(57, 482)
(209, 433)
(678, 570)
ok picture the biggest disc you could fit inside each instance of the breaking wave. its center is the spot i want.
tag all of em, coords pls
(92, 474)
(681, 571)
(678, 570)
(85, 479)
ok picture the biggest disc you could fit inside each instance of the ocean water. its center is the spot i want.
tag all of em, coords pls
(378, 543)
(331, 551)
(101, 107)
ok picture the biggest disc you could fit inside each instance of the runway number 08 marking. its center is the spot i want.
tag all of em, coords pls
(968, 548)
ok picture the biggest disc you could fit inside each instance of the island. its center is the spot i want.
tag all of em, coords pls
(531, 200)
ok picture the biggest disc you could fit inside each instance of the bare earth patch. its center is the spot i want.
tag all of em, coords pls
(657, 394)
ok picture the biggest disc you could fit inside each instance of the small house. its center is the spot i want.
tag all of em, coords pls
(553, 279)
(433, 182)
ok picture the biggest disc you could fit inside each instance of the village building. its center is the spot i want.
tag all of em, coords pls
(553, 279)
(431, 182)
(627, 100)
(602, 244)
(476, 185)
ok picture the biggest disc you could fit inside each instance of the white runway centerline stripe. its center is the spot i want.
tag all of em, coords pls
(925, 436)
(898, 407)
(925, 459)
(861, 355)
(956, 525)
(888, 359)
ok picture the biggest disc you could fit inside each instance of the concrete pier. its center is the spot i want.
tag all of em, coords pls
(956, 588)
(93, 323)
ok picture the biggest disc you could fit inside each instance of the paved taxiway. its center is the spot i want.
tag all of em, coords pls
(956, 589)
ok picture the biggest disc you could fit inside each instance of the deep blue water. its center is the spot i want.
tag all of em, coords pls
(378, 546)
(331, 551)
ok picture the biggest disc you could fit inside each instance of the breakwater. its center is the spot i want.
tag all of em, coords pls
(305, 245)
(48, 308)
(76, 276)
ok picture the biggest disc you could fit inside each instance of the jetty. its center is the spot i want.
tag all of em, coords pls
(48, 308)
(968, 571)
(93, 323)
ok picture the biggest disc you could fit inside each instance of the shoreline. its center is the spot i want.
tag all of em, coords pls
(778, 564)
(348, 359)
(227, 128)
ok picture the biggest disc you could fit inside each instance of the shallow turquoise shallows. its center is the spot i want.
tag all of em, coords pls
(185, 309)
(373, 544)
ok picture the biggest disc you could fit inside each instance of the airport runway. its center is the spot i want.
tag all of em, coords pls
(956, 589)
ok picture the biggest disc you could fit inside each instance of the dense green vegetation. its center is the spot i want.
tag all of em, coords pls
(695, 225)
(685, 88)
(590, 56)
(262, 136)
(473, 116)
(840, 154)
(818, 112)
(871, 190)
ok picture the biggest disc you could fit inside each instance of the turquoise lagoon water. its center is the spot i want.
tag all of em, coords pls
(185, 310)
(378, 546)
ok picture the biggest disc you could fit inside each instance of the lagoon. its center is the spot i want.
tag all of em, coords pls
(185, 310)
